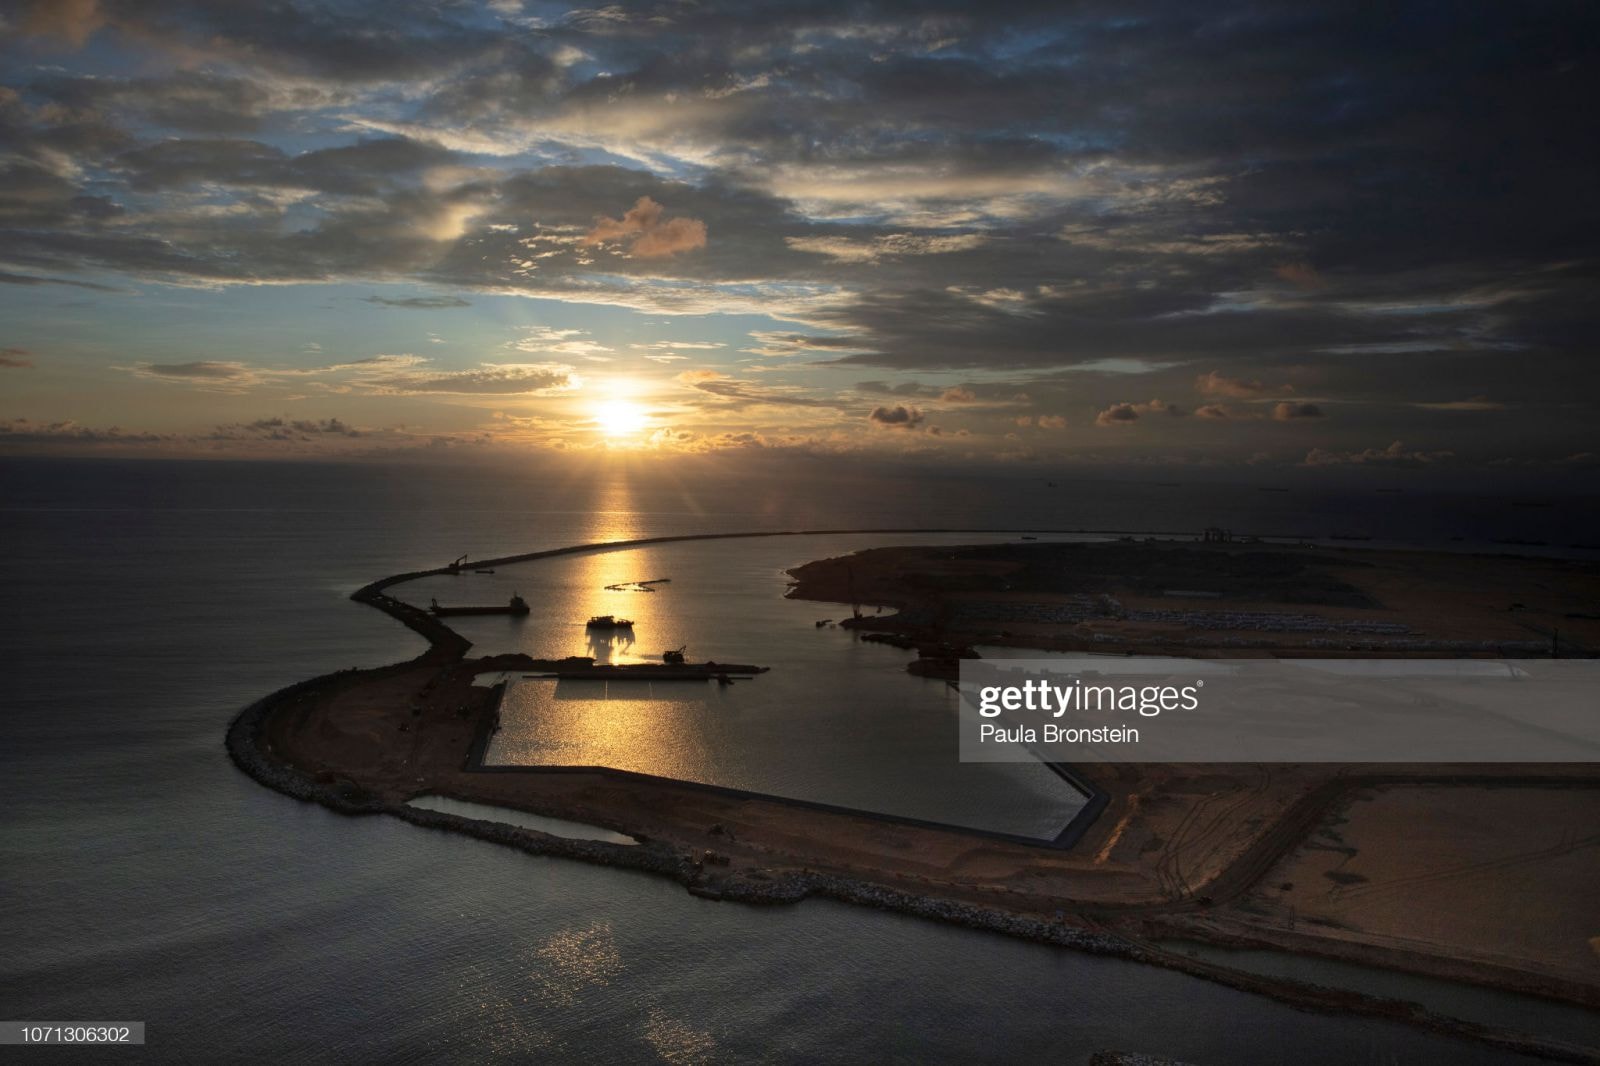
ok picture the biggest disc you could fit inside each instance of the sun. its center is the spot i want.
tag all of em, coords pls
(619, 418)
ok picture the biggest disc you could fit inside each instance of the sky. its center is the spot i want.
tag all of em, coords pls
(1224, 235)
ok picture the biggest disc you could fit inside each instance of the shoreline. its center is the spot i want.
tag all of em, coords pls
(252, 749)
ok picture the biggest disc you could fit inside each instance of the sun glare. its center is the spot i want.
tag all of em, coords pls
(619, 418)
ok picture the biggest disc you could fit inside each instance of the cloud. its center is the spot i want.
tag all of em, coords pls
(897, 417)
(1124, 414)
(1118, 414)
(1394, 455)
(488, 379)
(1303, 275)
(7, 278)
(289, 429)
(277, 435)
(1214, 383)
(905, 388)
(1476, 404)
(852, 250)
(545, 340)
(16, 358)
(383, 166)
(1289, 412)
(1212, 411)
(388, 374)
(23, 431)
(647, 234)
(72, 21)
(206, 374)
(734, 393)
(421, 303)
(782, 345)
(207, 371)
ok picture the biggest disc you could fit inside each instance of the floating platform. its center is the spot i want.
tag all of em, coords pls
(639, 586)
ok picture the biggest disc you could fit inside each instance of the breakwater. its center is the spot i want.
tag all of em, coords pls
(701, 874)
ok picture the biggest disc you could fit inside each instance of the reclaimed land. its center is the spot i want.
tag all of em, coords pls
(1165, 851)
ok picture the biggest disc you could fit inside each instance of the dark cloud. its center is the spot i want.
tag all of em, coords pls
(1117, 414)
(421, 303)
(72, 21)
(1122, 414)
(192, 101)
(366, 168)
(290, 429)
(1288, 412)
(29, 279)
(897, 417)
(16, 358)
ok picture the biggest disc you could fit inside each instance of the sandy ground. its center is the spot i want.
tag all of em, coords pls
(1507, 876)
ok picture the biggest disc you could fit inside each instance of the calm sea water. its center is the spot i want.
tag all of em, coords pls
(835, 720)
(143, 877)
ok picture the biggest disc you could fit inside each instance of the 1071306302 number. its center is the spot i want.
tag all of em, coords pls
(77, 1034)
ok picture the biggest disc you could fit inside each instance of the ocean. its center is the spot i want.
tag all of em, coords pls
(145, 878)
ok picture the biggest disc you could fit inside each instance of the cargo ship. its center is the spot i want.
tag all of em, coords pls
(577, 670)
(515, 605)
